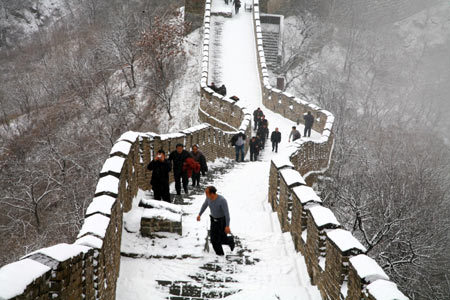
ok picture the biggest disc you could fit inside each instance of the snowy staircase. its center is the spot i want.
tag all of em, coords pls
(213, 280)
(270, 44)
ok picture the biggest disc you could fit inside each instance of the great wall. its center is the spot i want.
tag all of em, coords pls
(89, 267)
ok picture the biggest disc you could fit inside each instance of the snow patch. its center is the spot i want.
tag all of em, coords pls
(344, 240)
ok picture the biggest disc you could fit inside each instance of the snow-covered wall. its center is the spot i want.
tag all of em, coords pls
(215, 109)
(336, 261)
(89, 267)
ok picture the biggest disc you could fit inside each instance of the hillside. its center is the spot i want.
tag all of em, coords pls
(69, 89)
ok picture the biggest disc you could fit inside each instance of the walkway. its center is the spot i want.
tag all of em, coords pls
(265, 264)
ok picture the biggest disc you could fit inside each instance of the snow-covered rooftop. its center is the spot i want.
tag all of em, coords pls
(344, 240)
(323, 216)
(385, 290)
(306, 194)
(291, 176)
(15, 277)
(367, 268)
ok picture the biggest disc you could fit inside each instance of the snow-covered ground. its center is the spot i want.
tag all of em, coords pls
(278, 271)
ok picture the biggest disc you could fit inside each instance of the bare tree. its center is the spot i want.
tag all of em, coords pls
(163, 54)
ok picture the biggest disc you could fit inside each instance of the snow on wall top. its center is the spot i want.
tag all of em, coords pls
(96, 224)
(344, 240)
(282, 161)
(14, 279)
(152, 213)
(323, 216)
(62, 252)
(367, 268)
(163, 205)
(90, 241)
(108, 184)
(121, 147)
(306, 194)
(113, 164)
(385, 290)
(291, 176)
(101, 204)
(129, 136)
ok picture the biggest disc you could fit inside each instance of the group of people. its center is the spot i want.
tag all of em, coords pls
(236, 3)
(184, 165)
(258, 141)
(220, 90)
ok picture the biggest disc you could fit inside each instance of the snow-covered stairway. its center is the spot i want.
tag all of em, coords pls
(265, 264)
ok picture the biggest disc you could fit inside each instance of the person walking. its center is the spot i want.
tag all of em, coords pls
(257, 114)
(178, 157)
(295, 134)
(160, 168)
(238, 141)
(237, 5)
(254, 149)
(200, 158)
(220, 220)
(309, 122)
(263, 133)
(275, 138)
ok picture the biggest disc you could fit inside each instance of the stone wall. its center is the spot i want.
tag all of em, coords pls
(89, 267)
(334, 258)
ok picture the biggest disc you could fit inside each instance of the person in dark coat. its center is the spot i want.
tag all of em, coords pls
(160, 168)
(200, 158)
(213, 87)
(309, 121)
(254, 149)
(222, 90)
(220, 220)
(263, 133)
(257, 114)
(178, 157)
(237, 5)
(238, 141)
(275, 138)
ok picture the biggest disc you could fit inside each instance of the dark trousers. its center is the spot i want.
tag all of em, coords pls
(161, 191)
(178, 178)
(263, 142)
(195, 179)
(226, 2)
(307, 132)
(241, 150)
(218, 235)
(253, 155)
(237, 9)
(275, 146)
(256, 125)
